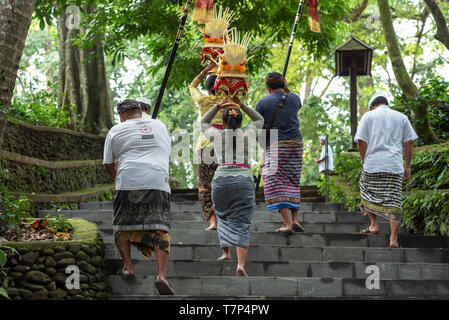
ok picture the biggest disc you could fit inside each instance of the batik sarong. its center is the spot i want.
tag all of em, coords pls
(143, 218)
(234, 200)
(381, 194)
(205, 175)
(282, 175)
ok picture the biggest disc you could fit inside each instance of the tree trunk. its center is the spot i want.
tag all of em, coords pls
(83, 85)
(15, 19)
(97, 110)
(405, 82)
(442, 28)
(309, 82)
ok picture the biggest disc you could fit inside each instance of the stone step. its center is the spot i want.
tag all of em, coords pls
(194, 205)
(280, 287)
(343, 227)
(259, 216)
(317, 269)
(310, 239)
(292, 253)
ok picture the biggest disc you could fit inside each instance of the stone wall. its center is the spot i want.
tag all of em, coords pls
(52, 144)
(21, 177)
(39, 271)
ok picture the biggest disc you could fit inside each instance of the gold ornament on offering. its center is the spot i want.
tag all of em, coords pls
(214, 35)
(231, 78)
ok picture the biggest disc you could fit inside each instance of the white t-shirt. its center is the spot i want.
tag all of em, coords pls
(330, 157)
(385, 131)
(140, 148)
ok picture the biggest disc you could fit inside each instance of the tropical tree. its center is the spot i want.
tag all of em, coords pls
(15, 19)
(402, 76)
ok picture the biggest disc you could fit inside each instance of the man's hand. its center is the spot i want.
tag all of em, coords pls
(317, 161)
(407, 173)
(111, 169)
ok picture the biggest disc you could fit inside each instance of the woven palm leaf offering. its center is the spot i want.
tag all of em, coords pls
(231, 78)
(214, 34)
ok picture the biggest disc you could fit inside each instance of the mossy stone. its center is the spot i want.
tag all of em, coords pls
(62, 255)
(59, 249)
(82, 265)
(97, 261)
(38, 267)
(32, 286)
(57, 294)
(101, 296)
(37, 277)
(74, 248)
(51, 286)
(50, 271)
(48, 251)
(40, 295)
(13, 292)
(78, 297)
(29, 258)
(81, 255)
(60, 278)
(84, 278)
(90, 293)
(21, 268)
(50, 262)
(91, 269)
(65, 262)
(84, 286)
(100, 275)
(40, 260)
(16, 275)
(99, 286)
(12, 262)
(26, 294)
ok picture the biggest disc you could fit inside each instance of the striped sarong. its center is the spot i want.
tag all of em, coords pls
(282, 175)
(381, 194)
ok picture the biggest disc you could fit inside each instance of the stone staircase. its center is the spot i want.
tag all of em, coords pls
(328, 261)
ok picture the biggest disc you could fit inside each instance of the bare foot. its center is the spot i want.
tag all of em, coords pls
(284, 229)
(241, 272)
(224, 257)
(394, 244)
(211, 227)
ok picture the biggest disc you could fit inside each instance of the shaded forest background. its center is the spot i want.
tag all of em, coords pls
(82, 57)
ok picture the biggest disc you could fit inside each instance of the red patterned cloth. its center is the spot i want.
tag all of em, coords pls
(312, 7)
(204, 11)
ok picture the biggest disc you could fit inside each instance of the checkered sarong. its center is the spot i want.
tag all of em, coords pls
(381, 194)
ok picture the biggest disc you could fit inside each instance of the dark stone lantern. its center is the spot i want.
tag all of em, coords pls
(353, 59)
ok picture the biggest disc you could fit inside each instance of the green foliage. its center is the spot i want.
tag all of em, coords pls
(12, 211)
(337, 195)
(60, 224)
(430, 170)
(427, 214)
(349, 165)
(434, 95)
(39, 110)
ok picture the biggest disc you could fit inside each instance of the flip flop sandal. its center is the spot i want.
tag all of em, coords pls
(164, 288)
(297, 228)
(367, 231)
(124, 275)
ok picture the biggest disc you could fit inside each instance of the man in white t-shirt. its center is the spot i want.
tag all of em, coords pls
(322, 159)
(381, 134)
(136, 156)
